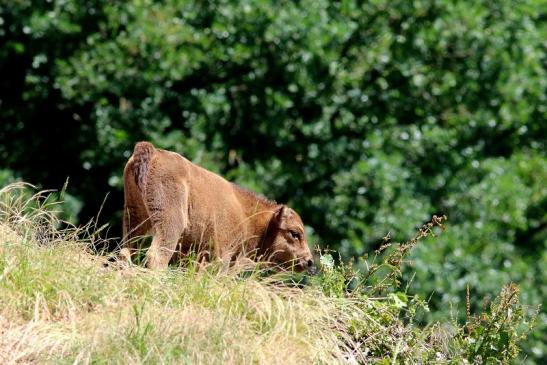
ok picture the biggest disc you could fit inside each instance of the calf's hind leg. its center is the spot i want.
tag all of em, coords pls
(136, 222)
(136, 226)
(168, 207)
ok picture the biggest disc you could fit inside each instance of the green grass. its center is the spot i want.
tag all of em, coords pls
(61, 303)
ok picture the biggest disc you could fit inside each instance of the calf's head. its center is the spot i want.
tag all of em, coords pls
(285, 242)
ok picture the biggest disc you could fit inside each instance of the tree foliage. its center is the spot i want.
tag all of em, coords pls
(367, 117)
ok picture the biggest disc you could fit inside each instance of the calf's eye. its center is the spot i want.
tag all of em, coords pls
(295, 235)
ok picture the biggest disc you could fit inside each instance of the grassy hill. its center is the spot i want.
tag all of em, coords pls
(60, 302)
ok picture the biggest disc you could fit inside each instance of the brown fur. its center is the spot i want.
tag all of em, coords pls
(186, 207)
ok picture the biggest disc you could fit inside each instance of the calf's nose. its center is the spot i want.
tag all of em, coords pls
(312, 269)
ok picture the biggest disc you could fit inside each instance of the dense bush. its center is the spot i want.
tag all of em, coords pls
(368, 117)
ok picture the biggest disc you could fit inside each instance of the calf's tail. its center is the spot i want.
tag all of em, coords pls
(141, 159)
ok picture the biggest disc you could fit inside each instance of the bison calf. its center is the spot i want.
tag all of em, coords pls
(186, 207)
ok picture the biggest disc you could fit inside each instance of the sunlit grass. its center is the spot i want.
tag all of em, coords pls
(61, 302)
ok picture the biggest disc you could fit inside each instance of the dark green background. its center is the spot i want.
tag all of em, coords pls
(366, 117)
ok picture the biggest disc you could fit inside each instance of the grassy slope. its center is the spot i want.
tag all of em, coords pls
(60, 304)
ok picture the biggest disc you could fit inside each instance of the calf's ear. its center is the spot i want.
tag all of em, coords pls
(282, 214)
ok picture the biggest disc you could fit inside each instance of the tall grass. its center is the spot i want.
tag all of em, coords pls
(60, 302)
